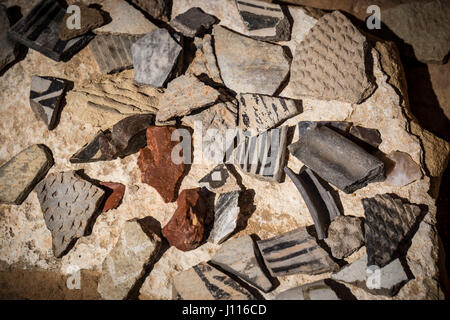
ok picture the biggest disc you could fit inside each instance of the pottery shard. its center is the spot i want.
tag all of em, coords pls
(45, 98)
(295, 252)
(193, 22)
(20, 175)
(184, 95)
(220, 180)
(203, 282)
(7, 46)
(205, 62)
(114, 195)
(260, 112)
(389, 220)
(319, 290)
(186, 228)
(367, 135)
(401, 169)
(90, 18)
(248, 65)
(345, 236)
(158, 9)
(336, 159)
(240, 257)
(330, 63)
(226, 215)
(68, 203)
(154, 57)
(265, 21)
(137, 248)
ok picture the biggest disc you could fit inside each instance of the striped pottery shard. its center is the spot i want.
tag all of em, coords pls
(261, 112)
(320, 290)
(263, 155)
(113, 52)
(389, 220)
(45, 98)
(220, 180)
(68, 203)
(295, 252)
(226, 215)
(203, 282)
(320, 202)
(193, 22)
(39, 31)
(336, 159)
(264, 21)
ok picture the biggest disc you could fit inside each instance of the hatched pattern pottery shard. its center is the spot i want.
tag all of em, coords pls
(336, 159)
(295, 252)
(193, 22)
(330, 63)
(389, 220)
(39, 31)
(68, 203)
(203, 282)
(226, 214)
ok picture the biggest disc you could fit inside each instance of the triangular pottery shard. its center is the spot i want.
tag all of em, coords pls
(336, 159)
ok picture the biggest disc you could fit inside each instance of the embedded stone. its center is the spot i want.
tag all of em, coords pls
(90, 18)
(158, 9)
(68, 203)
(345, 236)
(241, 257)
(205, 62)
(226, 215)
(193, 22)
(401, 169)
(114, 195)
(20, 175)
(220, 180)
(319, 290)
(7, 46)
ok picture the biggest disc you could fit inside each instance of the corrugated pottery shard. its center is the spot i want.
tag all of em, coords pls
(226, 215)
(330, 63)
(39, 31)
(203, 282)
(260, 112)
(345, 236)
(240, 257)
(220, 180)
(336, 159)
(68, 203)
(389, 220)
(156, 165)
(186, 228)
(295, 252)
(45, 98)
(154, 57)
(320, 202)
(319, 290)
(401, 169)
(20, 175)
(263, 156)
(114, 195)
(248, 65)
(205, 62)
(265, 21)
(90, 18)
(158, 9)
(184, 95)
(193, 22)
(7, 46)
(138, 247)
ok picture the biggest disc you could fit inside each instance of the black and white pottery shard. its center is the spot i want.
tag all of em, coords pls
(320, 290)
(265, 21)
(68, 203)
(39, 31)
(113, 52)
(336, 159)
(320, 202)
(45, 98)
(263, 155)
(220, 180)
(262, 112)
(226, 214)
(295, 252)
(193, 22)
(389, 221)
(7, 47)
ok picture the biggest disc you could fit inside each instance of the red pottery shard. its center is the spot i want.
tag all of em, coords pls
(114, 197)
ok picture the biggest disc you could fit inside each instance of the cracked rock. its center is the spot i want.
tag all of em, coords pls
(226, 215)
(193, 22)
(345, 236)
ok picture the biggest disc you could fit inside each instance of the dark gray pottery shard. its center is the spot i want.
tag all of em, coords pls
(295, 252)
(320, 202)
(193, 22)
(45, 98)
(39, 31)
(7, 47)
(336, 159)
(389, 221)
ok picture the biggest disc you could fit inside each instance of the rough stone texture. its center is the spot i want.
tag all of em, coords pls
(116, 193)
(68, 203)
(90, 18)
(186, 228)
(20, 175)
(203, 282)
(248, 65)
(158, 9)
(295, 252)
(156, 165)
(137, 247)
(241, 257)
(260, 112)
(7, 46)
(184, 95)
(193, 22)
(342, 75)
(401, 169)
(45, 98)
(345, 236)
(319, 290)
(154, 57)
(220, 180)
(205, 62)
(226, 215)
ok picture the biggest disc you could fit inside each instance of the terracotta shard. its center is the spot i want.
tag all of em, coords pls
(90, 18)
(193, 22)
(116, 193)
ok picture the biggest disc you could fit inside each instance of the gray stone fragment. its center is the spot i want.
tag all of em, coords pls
(68, 203)
(154, 57)
(193, 22)
(7, 46)
(226, 214)
(337, 159)
(205, 62)
(220, 180)
(319, 290)
(20, 175)
(158, 9)
(345, 236)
